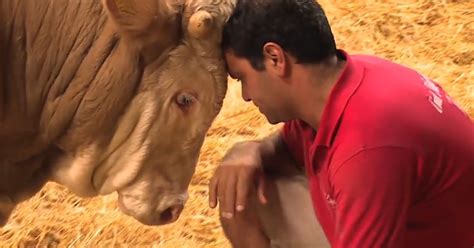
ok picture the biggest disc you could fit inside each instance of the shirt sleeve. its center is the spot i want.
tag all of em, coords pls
(373, 192)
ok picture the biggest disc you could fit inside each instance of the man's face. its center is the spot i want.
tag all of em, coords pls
(265, 90)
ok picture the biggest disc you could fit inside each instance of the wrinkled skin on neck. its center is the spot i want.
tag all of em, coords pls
(103, 97)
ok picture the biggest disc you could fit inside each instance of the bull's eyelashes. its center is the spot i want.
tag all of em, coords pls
(185, 100)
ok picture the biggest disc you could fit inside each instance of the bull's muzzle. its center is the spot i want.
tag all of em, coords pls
(168, 210)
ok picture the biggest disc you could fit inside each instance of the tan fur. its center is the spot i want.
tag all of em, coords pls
(88, 95)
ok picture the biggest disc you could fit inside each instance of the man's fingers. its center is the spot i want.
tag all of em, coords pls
(261, 189)
(243, 187)
(221, 191)
(213, 191)
(228, 201)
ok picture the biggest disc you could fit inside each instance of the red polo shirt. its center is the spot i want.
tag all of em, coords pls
(392, 163)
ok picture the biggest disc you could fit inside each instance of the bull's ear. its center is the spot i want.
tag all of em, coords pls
(136, 16)
(128, 15)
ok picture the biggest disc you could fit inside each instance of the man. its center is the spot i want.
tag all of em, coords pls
(388, 155)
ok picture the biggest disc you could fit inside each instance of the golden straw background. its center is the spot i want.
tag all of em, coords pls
(434, 37)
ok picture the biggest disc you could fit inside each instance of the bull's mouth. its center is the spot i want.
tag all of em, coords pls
(155, 218)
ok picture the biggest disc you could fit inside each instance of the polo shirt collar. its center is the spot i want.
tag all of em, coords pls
(346, 85)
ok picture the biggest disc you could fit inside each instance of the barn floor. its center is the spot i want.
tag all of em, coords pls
(436, 37)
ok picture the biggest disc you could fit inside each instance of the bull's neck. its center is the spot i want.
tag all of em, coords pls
(51, 53)
(43, 43)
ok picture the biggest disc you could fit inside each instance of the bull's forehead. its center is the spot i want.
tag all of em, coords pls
(183, 71)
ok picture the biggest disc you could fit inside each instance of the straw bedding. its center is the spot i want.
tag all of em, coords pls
(435, 37)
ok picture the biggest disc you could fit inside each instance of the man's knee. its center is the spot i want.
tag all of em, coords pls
(244, 230)
(239, 223)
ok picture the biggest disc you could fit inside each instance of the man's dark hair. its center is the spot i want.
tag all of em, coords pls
(300, 27)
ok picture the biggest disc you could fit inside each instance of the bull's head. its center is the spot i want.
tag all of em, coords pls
(146, 151)
(160, 136)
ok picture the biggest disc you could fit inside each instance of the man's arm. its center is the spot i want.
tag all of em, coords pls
(373, 192)
(244, 166)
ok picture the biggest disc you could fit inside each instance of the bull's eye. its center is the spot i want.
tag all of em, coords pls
(185, 100)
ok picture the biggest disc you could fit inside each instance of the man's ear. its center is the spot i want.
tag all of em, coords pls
(136, 16)
(275, 59)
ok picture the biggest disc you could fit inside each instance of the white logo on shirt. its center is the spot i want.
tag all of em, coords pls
(436, 101)
(435, 98)
(331, 201)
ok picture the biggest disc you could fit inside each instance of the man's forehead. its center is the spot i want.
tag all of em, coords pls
(230, 63)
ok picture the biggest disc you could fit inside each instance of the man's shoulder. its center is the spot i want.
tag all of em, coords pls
(389, 95)
(378, 65)
(372, 59)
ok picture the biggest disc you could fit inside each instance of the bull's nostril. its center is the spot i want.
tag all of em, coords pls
(167, 215)
(170, 214)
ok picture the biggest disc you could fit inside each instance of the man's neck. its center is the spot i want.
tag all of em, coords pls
(316, 83)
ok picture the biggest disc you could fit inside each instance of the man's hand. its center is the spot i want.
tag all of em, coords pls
(239, 173)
